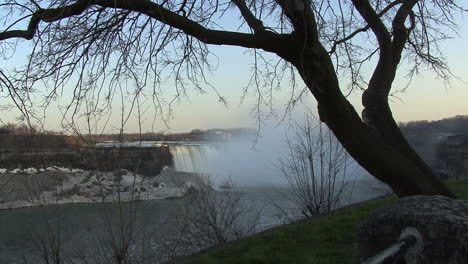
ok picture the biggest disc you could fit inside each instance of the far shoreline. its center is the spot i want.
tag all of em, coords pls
(89, 203)
(61, 187)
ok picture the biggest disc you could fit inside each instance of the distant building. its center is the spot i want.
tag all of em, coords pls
(457, 156)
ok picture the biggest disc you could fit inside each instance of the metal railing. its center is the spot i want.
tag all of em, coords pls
(410, 241)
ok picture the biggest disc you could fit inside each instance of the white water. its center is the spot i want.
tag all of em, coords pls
(193, 157)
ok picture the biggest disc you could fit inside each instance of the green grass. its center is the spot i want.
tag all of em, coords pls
(459, 187)
(327, 239)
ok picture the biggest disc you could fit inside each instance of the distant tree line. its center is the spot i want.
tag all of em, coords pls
(24, 129)
(428, 138)
(452, 125)
(194, 134)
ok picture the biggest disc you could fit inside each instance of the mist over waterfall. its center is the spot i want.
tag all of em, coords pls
(246, 160)
(240, 159)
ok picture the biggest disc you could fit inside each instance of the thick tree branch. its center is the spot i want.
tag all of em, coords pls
(301, 17)
(400, 32)
(265, 40)
(364, 29)
(46, 15)
(255, 24)
(375, 23)
(384, 74)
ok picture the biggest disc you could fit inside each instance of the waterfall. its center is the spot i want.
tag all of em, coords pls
(192, 157)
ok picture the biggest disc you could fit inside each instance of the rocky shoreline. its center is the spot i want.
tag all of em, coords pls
(55, 185)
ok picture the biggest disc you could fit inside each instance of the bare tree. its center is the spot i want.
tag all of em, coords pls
(316, 168)
(119, 234)
(96, 47)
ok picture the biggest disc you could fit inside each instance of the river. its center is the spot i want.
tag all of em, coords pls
(85, 230)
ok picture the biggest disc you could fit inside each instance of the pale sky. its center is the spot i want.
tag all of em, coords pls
(426, 99)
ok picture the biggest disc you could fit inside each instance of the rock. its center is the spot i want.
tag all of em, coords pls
(30, 171)
(117, 179)
(15, 171)
(192, 190)
(108, 191)
(442, 222)
(70, 192)
(120, 173)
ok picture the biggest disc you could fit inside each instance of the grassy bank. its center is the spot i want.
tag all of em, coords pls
(326, 239)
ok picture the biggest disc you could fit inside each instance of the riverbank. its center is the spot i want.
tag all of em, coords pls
(55, 185)
(326, 239)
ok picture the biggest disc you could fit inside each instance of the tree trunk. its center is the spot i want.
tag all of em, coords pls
(383, 152)
(389, 163)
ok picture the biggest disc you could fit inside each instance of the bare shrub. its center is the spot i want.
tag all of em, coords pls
(315, 167)
(213, 217)
(47, 239)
